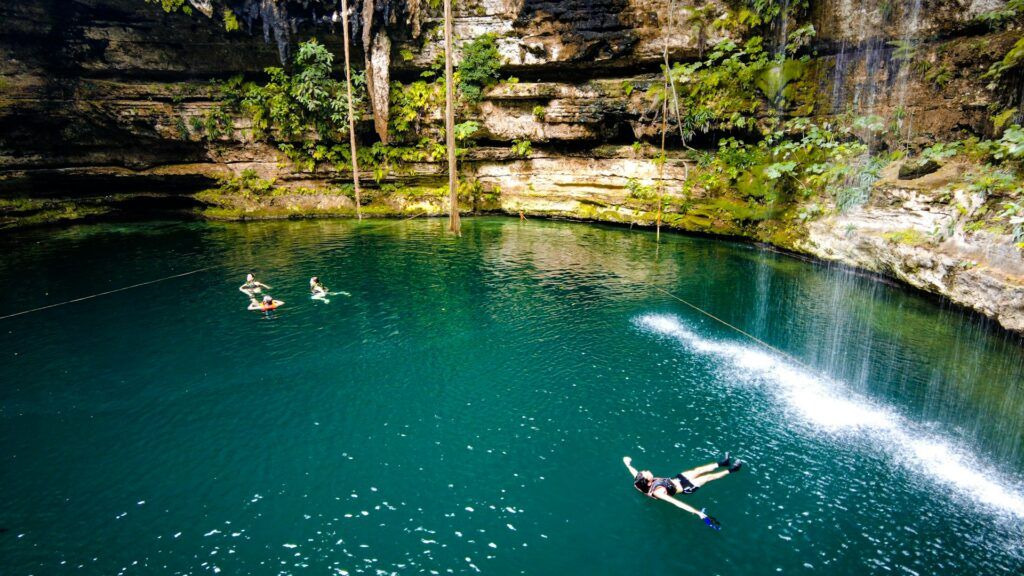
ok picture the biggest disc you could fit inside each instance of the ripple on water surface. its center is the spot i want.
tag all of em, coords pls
(465, 407)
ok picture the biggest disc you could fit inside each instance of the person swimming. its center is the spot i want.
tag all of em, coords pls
(266, 305)
(252, 286)
(317, 287)
(686, 482)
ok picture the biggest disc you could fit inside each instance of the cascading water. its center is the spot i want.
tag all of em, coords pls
(907, 48)
(828, 406)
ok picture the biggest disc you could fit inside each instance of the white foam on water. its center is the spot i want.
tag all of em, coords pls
(829, 405)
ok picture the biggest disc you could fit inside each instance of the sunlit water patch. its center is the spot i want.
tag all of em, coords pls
(464, 407)
(829, 406)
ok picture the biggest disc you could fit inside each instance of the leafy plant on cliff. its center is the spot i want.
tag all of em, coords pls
(1014, 214)
(172, 5)
(736, 83)
(1011, 145)
(998, 18)
(305, 112)
(307, 100)
(479, 66)
(522, 148)
(1012, 60)
(248, 184)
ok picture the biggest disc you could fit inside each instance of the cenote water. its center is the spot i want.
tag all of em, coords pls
(466, 407)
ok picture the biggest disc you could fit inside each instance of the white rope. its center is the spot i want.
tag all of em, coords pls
(66, 302)
(747, 334)
(140, 284)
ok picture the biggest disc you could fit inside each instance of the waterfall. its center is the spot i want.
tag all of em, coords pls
(908, 44)
(874, 62)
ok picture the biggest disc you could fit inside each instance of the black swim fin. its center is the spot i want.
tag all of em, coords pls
(735, 467)
(727, 461)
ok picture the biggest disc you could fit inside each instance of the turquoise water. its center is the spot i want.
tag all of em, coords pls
(466, 407)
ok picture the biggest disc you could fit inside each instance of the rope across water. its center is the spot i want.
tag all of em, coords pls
(741, 331)
(97, 295)
(148, 282)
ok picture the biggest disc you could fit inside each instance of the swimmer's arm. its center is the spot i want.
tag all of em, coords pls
(661, 495)
(629, 464)
(262, 285)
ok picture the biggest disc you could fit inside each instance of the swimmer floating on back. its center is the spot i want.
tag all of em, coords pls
(683, 483)
(252, 286)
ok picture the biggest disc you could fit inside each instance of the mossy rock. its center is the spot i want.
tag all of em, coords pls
(914, 169)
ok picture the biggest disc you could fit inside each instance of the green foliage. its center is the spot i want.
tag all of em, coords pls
(940, 75)
(475, 193)
(640, 191)
(996, 19)
(991, 181)
(306, 111)
(735, 84)
(744, 15)
(1014, 213)
(219, 119)
(479, 66)
(231, 23)
(1000, 120)
(1013, 59)
(172, 5)
(522, 148)
(941, 151)
(909, 237)
(855, 189)
(248, 185)
(800, 160)
(413, 112)
(1011, 145)
(903, 50)
(627, 87)
(409, 104)
(465, 130)
(181, 127)
(800, 38)
(777, 82)
(540, 112)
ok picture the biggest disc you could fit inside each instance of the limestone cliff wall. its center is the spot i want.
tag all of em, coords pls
(99, 99)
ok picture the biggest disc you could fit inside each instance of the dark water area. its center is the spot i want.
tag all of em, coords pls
(463, 406)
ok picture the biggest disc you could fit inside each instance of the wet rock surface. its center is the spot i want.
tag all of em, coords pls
(101, 98)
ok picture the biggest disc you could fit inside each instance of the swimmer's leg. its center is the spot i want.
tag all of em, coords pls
(699, 481)
(701, 470)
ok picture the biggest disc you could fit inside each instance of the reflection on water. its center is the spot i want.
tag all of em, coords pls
(467, 406)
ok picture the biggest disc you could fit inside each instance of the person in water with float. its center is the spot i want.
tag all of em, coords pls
(266, 305)
(686, 482)
(252, 286)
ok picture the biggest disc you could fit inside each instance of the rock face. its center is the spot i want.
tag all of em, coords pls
(909, 231)
(101, 101)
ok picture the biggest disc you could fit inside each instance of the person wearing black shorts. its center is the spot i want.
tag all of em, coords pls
(686, 482)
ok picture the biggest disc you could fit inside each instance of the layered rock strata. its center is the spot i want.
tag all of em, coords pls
(100, 99)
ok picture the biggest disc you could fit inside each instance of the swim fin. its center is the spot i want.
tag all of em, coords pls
(727, 461)
(735, 467)
(711, 521)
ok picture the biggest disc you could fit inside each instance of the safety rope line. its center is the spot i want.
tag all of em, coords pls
(66, 302)
(397, 222)
(741, 331)
(140, 284)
